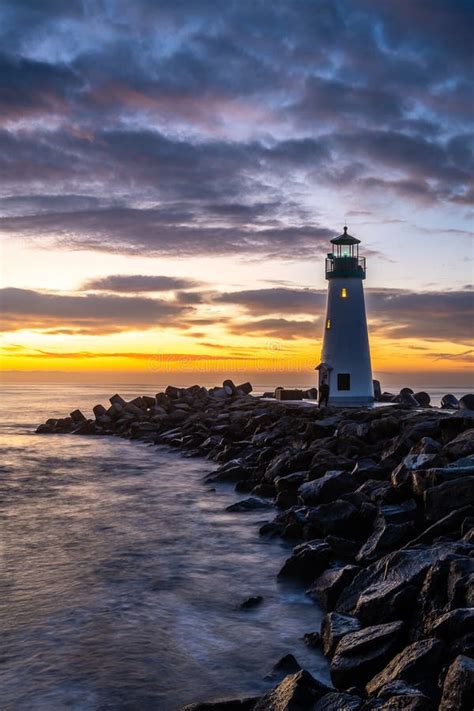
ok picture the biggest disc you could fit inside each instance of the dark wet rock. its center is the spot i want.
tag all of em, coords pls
(325, 427)
(271, 528)
(295, 693)
(448, 584)
(250, 504)
(467, 402)
(366, 468)
(45, 428)
(379, 492)
(407, 399)
(312, 639)
(385, 538)
(450, 402)
(382, 591)
(229, 387)
(334, 627)
(117, 400)
(404, 512)
(422, 398)
(245, 388)
(361, 654)
(334, 518)
(84, 427)
(440, 500)
(77, 416)
(399, 696)
(99, 411)
(424, 479)
(290, 482)
(419, 664)
(328, 587)
(286, 665)
(458, 688)
(453, 624)
(264, 489)
(338, 701)
(244, 704)
(377, 389)
(233, 471)
(287, 462)
(452, 522)
(308, 561)
(460, 446)
(343, 548)
(250, 602)
(383, 428)
(397, 448)
(326, 489)
(286, 499)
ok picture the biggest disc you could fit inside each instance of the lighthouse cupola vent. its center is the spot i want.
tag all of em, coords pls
(344, 260)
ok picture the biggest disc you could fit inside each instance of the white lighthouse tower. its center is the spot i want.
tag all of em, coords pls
(345, 358)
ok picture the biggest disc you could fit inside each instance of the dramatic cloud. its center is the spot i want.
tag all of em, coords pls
(393, 313)
(170, 128)
(136, 283)
(89, 314)
(276, 300)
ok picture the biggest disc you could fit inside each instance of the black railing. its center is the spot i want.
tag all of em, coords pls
(345, 267)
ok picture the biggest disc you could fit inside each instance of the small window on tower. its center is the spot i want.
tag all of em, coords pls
(328, 324)
(344, 292)
(343, 381)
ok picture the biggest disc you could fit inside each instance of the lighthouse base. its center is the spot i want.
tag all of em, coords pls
(361, 401)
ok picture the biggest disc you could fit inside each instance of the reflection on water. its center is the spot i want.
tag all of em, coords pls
(122, 571)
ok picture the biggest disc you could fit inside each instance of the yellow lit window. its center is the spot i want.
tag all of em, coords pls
(328, 324)
(344, 292)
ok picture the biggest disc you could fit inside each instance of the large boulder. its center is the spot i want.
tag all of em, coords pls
(461, 446)
(295, 693)
(247, 704)
(328, 586)
(419, 664)
(383, 428)
(422, 398)
(467, 402)
(382, 592)
(251, 504)
(454, 624)
(359, 655)
(449, 402)
(338, 701)
(287, 462)
(327, 488)
(334, 627)
(458, 688)
(307, 562)
(399, 696)
(385, 538)
(333, 518)
(455, 494)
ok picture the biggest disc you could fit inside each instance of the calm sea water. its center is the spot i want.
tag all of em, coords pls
(121, 572)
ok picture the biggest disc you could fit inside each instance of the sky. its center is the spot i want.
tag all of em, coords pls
(171, 173)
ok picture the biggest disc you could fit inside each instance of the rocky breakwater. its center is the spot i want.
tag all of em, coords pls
(379, 504)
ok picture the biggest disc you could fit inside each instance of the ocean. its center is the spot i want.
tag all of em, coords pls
(122, 572)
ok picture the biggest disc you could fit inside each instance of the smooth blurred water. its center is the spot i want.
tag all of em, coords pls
(121, 572)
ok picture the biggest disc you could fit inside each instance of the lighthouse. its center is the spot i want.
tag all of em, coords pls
(345, 358)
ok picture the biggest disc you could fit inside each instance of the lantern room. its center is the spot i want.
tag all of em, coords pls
(344, 260)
